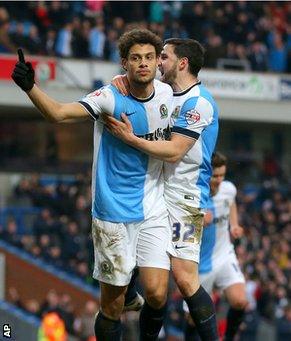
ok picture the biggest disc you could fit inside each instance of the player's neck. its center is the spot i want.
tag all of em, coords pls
(141, 91)
(183, 82)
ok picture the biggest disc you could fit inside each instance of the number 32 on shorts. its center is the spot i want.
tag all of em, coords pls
(187, 233)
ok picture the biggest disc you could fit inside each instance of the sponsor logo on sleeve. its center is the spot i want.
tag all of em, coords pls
(97, 93)
(192, 116)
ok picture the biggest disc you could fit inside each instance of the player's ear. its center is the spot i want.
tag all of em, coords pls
(183, 63)
(124, 64)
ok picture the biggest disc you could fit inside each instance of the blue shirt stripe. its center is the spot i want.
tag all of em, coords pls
(208, 138)
(121, 170)
(208, 243)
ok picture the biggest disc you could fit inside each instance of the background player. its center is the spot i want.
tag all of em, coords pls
(187, 169)
(218, 263)
(130, 220)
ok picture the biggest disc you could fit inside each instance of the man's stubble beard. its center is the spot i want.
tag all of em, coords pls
(213, 190)
(170, 76)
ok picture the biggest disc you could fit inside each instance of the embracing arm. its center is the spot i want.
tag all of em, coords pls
(169, 151)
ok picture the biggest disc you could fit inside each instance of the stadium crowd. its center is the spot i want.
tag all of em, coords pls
(256, 34)
(61, 236)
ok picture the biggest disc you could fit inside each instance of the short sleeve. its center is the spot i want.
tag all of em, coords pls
(195, 115)
(97, 102)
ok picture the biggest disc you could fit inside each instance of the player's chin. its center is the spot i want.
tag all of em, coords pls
(165, 79)
(145, 79)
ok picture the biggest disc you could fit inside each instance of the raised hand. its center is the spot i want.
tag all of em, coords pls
(23, 73)
(237, 231)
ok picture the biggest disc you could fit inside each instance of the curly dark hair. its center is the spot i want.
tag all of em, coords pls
(138, 36)
(190, 49)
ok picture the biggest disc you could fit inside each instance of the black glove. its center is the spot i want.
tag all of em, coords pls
(23, 73)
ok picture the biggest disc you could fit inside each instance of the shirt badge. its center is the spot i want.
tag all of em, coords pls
(163, 111)
(192, 116)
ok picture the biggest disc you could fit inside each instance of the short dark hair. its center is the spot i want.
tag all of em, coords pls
(218, 160)
(191, 49)
(138, 36)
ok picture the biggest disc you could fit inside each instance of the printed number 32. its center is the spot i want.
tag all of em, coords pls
(187, 234)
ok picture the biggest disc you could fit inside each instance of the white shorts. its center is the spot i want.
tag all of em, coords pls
(187, 227)
(119, 247)
(222, 277)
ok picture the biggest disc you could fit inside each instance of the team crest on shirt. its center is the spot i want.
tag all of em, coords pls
(106, 268)
(192, 116)
(226, 203)
(176, 112)
(163, 111)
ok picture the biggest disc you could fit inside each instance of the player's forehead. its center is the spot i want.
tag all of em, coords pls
(168, 50)
(219, 171)
(142, 49)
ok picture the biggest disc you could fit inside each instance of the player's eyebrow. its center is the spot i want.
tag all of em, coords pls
(144, 54)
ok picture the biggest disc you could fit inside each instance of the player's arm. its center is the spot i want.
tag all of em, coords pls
(54, 111)
(170, 151)
(235, 229)
(23, 76)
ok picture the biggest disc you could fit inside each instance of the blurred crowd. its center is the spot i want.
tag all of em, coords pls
(61, 236)
(61, 233)
(255, 35)
(62, 305)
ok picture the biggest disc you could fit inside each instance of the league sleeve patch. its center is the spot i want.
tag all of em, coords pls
(97, 93)
(192, 116)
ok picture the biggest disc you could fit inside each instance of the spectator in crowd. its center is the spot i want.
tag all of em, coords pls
(277, 53)
(57, 14)
(33, 44)
(10, 234)
(40, 13)
(45, 224)
(66, 312)
(110, 48)
(64, 40)
(17, 37)
(51, 303)
(6, 44)
(52, 328)
(84, 323)
(284, 325)
(214, 49)
(80, 39)
(97, 39)
(258, 56)
(49, 42)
